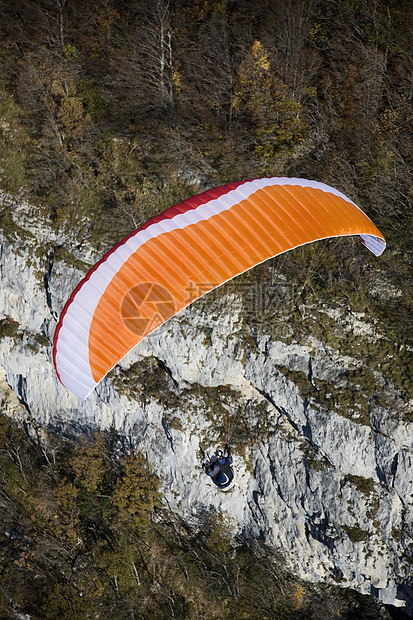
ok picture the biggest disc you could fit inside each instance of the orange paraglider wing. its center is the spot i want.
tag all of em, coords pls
(183, 253)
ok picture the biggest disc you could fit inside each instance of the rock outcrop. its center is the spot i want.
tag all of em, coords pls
(324, 472)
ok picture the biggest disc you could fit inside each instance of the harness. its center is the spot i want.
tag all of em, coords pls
(225, 475)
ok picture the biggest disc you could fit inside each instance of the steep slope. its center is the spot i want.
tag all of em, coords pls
(323, 451)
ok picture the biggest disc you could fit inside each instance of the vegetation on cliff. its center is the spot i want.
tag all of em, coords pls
(84, 535)
(111, 113)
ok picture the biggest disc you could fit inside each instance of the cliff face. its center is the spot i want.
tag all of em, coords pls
(323, 469)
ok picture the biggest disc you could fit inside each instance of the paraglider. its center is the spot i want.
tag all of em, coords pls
(185, 252)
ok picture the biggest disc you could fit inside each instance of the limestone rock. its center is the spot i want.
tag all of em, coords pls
(330, 486)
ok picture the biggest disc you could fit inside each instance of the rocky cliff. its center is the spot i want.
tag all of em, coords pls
(323, 449)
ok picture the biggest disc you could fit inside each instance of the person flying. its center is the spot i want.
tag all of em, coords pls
(219, 469)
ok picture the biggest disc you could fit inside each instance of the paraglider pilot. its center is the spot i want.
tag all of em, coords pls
(218, 467)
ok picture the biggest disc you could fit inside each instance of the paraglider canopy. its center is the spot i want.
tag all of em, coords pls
(186, 251)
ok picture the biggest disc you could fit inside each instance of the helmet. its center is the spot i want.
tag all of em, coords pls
(219, 454)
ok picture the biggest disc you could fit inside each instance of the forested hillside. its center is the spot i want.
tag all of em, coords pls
(110, 112)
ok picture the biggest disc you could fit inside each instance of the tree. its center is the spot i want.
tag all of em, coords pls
(268, 103)
(144, 77)
(136, 492)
